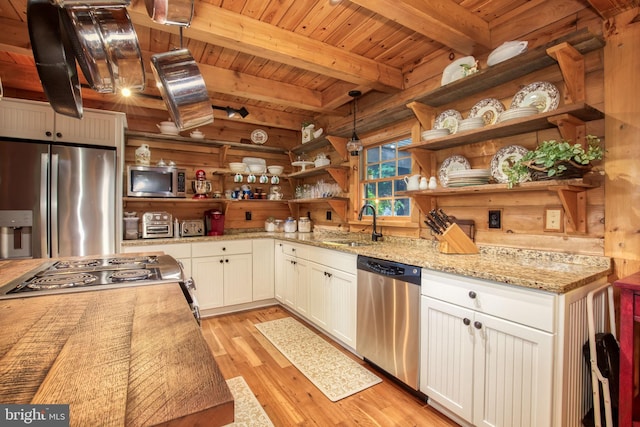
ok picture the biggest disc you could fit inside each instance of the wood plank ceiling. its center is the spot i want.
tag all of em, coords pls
(289, 61)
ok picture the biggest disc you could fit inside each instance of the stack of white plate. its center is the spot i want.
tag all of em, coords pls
(516, 113)
(470, 123)
(465, 177)
(434, 133)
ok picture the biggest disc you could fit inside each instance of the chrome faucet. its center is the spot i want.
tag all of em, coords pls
(375, 236)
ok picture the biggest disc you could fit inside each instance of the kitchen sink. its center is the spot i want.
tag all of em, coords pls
(351, 243)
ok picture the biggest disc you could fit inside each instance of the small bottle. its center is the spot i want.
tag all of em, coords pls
(176, 228)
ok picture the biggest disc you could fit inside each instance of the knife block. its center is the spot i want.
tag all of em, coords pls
(456, 241)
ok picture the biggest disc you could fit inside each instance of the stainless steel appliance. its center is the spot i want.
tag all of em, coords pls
(156, 181)
(157, 225)
(101, 273)
(56, 200)
(388, 317)
(192, 227)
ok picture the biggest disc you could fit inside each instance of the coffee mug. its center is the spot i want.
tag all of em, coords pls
(237, 178)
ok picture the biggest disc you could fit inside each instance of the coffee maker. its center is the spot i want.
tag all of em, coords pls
(214, 222)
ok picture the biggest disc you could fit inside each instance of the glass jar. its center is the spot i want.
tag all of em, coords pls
(279, 225)
(304, 224)
(290, 225)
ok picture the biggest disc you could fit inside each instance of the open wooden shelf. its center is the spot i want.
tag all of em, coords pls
(578, 111)
(338, 143)
(207, 142)
(571, 192)
(538, 58)
(339, 173)
(338, 204)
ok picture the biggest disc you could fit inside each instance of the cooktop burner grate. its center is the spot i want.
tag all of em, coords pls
(61, 281)
(133, 260)
(80, 263)
(131, 275)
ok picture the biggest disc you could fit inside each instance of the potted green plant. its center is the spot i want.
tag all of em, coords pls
(556, 159)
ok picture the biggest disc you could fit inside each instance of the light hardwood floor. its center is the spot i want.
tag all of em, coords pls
(288, 397)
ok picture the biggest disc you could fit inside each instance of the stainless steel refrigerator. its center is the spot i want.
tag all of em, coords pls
(56, 200)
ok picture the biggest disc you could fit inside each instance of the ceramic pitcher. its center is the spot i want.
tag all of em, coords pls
(143, 155)
(413, 182)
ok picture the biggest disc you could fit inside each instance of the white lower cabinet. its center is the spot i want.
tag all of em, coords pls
(484, 369)
(226, 277)
(332, 295)
(263, 269)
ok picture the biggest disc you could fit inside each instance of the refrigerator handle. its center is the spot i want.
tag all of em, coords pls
(44, 168)
(54, 206)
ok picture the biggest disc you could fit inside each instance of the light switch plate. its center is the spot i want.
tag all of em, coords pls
(553, 219)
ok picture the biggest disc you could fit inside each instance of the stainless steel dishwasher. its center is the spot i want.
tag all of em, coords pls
(388, 320)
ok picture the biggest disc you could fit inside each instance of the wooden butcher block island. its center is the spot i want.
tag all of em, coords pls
(131, 356)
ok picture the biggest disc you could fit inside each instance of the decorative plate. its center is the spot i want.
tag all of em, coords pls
(259, 136)
(542, 95)
(457, 69)
(506, 50)
(452, 163)
(489, 109)
(448, 120)
(504, 158)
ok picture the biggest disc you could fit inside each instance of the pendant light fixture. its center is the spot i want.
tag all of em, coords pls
(354, 146)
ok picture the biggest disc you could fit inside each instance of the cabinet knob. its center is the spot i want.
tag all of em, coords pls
(226, 260)
(48, 133)
(472, 295)
(466, 321)
(221, 261)
(293, 249)
(224, 249)
(329, 274)
(58, 134)
(477, 325)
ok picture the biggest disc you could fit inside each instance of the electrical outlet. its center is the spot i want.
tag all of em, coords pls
(247, 215)
(495, 219)
(328, 215)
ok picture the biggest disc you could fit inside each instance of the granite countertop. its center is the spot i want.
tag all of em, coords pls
(555, 272)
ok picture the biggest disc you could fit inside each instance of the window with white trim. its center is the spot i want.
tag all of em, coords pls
(385, 169)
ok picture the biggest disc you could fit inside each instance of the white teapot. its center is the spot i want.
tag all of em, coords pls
(413, 182)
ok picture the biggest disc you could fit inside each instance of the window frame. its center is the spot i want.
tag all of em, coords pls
(409, 221)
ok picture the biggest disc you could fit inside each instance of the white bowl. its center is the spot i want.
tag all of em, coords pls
(256, 168)
(275, 170)
(321, 162)
(196, 134)
(237, 167)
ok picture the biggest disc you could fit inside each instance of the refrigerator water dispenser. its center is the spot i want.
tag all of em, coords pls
(15, 234)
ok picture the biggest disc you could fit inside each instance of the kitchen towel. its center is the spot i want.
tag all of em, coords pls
(335, 374)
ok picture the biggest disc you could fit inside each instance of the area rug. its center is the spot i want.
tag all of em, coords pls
(325, 366)
(247, 410)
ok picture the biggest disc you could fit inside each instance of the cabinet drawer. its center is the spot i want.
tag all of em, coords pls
(229, 247)
(529, 307)
(300, 251)
(177, 250)
(334, 259)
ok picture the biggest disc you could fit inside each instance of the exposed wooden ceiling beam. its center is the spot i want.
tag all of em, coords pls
(441, 20)
(610, 8)
(224, 28)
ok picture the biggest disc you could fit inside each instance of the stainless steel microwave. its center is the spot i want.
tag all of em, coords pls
(156, 181)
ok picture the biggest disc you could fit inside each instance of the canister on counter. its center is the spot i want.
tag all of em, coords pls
(290, 225)
(304, 224)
